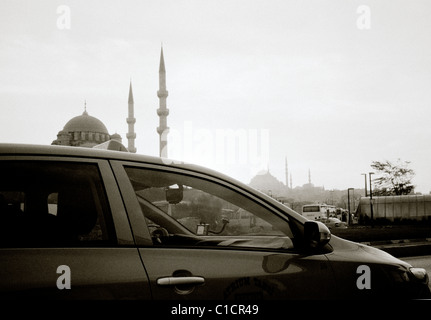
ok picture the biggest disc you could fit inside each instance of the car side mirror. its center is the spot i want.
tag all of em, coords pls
(316, 234)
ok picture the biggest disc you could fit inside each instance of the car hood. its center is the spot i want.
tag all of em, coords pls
(345, 250)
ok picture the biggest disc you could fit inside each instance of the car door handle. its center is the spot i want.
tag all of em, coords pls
(174, 281)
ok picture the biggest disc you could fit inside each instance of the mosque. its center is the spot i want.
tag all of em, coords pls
(84, 131)
(87, 131)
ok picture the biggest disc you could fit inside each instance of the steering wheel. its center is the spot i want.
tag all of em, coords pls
(158, 233)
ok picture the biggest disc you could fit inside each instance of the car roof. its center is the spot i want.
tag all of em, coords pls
(14, 149)
(58, 150)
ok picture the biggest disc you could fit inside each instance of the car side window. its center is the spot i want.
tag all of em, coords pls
(46, 203)
(204, 212)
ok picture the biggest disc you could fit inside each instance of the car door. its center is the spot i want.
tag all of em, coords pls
(64, 232)
(206, 238)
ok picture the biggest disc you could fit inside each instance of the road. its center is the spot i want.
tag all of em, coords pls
(420, 261)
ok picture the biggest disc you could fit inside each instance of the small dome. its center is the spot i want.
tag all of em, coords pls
(85, 123)
(116, 136)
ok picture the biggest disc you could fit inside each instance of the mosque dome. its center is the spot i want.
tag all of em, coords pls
(116, 136)
(267, 183)
(84, 131)
(85, 123)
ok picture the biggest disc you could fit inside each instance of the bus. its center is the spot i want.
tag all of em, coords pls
(318, 211)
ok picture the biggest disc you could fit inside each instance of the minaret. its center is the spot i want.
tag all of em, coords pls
(131, 135)
(286, 173)
(162, 111)
(309, 176)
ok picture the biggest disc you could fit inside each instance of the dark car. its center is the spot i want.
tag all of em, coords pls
(82, 223)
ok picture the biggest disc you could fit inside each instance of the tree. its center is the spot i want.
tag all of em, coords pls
(393, 178)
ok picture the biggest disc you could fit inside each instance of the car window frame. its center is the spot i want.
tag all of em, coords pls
(136, 216)
(114, 201)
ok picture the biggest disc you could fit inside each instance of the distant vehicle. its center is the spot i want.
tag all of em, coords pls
(318, 211)
(84, 223)
(332, 222)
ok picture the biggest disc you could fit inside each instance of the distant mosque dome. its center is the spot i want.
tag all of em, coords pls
(85, 123)
(84, 131)
(267, 183)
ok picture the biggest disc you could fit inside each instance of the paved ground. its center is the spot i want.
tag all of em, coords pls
(398, 240)
(405, 247)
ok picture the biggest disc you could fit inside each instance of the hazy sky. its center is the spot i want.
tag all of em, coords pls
(329, 85)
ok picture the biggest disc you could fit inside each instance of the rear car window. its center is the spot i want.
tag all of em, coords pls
(47, 203)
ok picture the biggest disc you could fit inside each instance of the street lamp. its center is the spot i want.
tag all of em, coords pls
(371, 200)
(365, 176)
(348, 205)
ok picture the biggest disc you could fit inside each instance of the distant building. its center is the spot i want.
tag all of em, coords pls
(162, 111)
(131, 135)
(268, 184)
(87, 131)
(307, 193)
(84, 131)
